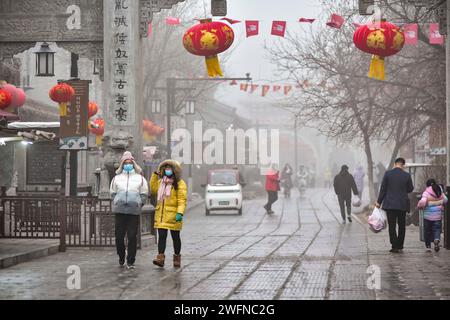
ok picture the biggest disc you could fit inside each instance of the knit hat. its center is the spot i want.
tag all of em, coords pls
(127, 156)
(344, 168)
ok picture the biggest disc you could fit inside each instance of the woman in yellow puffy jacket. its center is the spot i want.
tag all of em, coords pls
(171, 194)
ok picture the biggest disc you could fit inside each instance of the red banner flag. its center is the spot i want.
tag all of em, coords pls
(276, 88)
(173, 21)
(253, 88)
(244, 86)
(279, 28)
(252, 28)
(287, 89)
(435, 36)
(306, 20)
(233, 83)
(265, 90)
(411, 33)
(231, 21)
(335, 21)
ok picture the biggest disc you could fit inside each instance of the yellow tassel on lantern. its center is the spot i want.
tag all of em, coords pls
(63, 109)
(213, 66)
(377, 68)
(99, 140)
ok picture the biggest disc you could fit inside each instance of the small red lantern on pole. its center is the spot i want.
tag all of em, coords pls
(208, 39)
(381, 39)
(93, 109)
(97, 127)
(62, 93)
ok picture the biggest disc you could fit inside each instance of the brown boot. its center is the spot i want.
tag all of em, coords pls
(159, 261)
(177, 261)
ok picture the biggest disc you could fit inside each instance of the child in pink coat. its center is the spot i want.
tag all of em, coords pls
(432, 203)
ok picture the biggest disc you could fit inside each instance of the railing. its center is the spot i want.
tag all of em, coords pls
(76, 221)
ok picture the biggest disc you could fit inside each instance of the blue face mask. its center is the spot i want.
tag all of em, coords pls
(168, 172)
(128, 167)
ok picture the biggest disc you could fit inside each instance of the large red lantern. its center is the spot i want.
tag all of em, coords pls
(97, 127)
(208, 39)
(93, 109)
(5, 99)
(62, 93)
(381, 39)
(151, 130)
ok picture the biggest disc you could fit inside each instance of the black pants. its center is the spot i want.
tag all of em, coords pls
(127, 224)
(162, 240)
(396, 217)
(345, 202)
(272, 198)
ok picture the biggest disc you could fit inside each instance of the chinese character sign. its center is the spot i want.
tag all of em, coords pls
(122, 111)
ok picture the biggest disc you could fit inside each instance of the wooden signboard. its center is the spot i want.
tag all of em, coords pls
(44, 164)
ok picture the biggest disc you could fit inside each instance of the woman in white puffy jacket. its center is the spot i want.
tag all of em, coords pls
(129, 191)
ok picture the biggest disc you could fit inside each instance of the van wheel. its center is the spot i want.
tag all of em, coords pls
(240, 211)
(207, 212)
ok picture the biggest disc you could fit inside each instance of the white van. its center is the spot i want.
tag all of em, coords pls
(223, 191)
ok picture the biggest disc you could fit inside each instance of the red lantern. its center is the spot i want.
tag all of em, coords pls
(17, 95)
(93, 109)
(62, 93)
(382, 39)
(208, 39)
(97, 127)
(151, 129)
(5, 99)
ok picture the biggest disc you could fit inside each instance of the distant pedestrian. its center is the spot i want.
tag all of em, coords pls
(393, 197)
(359, 175)
(171, 193)
(344, 184)
(286, 179)
(272, 187)
(432, 202)
(129, 191)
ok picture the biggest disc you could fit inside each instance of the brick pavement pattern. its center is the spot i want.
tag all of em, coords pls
(301, 252)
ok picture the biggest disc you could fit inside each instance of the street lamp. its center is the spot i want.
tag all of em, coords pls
(189, 106)
(45, 61)
(156, 106)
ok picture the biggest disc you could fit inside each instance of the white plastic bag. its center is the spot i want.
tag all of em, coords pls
(357, 202)
(377, 220)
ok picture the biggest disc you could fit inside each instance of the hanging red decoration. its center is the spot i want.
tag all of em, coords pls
(208, 39)
(93, 109)
(62, 93)
(97, 127)
(382, 39)
(152, 129)
(18, 96)
(5, 99)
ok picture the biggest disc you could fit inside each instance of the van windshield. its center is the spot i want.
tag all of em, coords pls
(223, 179)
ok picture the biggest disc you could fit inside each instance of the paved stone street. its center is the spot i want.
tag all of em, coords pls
(301, 252)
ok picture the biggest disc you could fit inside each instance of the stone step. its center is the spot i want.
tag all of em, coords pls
(15, 251)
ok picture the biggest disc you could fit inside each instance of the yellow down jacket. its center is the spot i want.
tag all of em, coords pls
(166, 211)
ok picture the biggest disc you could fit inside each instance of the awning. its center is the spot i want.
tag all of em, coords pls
(8, 116)
(33, 125)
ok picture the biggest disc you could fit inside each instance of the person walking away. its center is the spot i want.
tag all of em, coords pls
(272, 188)
(393, 198)
(344, 184)
(359, 175)
(286, 179)
(171, 193)
(432, 202)
(129, 191)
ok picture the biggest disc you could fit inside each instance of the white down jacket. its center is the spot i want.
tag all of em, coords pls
(129, 192)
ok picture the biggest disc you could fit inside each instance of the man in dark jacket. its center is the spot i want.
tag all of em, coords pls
(394, 200)
(344, 184)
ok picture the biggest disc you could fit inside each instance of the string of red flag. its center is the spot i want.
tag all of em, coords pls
(285, 89)
(279, 28)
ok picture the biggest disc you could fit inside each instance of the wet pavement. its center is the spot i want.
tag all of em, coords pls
(303, 251)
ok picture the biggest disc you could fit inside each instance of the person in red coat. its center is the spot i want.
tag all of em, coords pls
(272, 187)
